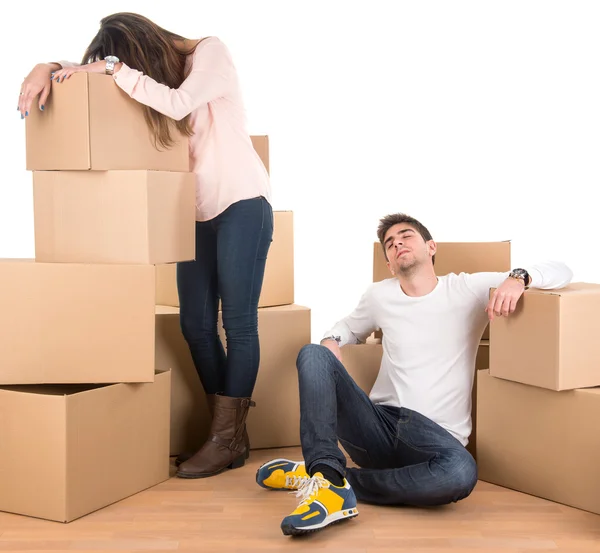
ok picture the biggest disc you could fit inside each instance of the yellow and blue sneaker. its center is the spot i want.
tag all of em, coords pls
(321, 504)
(281, 474)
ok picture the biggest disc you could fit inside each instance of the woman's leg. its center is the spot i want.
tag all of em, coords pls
(244, 234)
(198, 300)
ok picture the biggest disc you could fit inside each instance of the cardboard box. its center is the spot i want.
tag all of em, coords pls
(364, 361)
(278, 283)
(275, 421)
(68, 451)
(457, 257)
(482, 363)
(190, 418)
(540, 442)
(551, 340)
(90, 123)
(72, 323)
(114, 216)
(261, 145)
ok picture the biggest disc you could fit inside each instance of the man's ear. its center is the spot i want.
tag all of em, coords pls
(432, 246)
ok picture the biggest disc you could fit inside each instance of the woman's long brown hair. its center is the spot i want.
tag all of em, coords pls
(145, 46)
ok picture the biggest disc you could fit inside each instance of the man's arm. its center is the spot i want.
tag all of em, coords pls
(549, 275)
(353, 329)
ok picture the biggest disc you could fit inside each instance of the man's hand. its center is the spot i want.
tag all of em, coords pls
(333, 347)
(504, 299)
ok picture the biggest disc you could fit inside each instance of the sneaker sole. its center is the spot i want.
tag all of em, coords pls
(289, 529)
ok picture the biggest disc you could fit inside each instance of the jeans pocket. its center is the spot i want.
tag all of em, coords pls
(358, 454)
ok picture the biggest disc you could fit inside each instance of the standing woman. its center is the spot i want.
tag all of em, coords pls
(192, 85)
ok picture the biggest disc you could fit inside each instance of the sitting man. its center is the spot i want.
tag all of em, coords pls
(409, 436)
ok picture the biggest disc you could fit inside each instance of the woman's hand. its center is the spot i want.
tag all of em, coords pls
(95, 67)
(36, 83)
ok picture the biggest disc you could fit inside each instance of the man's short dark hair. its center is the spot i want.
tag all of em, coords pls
(389, 221)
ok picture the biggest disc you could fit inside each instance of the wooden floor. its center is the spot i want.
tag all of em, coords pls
(230, 513)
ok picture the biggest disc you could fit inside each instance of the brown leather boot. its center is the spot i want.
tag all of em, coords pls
(210, 400)
(225, 447)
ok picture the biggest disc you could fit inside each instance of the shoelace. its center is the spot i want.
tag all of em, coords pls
(295, 482)
(311, 487)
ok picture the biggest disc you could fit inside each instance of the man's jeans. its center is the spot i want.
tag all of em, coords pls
(231, 253)
(405, 458)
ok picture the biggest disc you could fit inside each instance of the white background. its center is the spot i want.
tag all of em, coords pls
(480, 118)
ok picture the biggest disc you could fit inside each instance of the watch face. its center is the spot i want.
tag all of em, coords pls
(520, 272)
(111, 59)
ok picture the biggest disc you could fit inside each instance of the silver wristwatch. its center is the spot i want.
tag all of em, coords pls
(338, 339)
(110, 64)
(521, 274)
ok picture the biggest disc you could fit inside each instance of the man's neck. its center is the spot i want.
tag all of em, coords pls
(418, 284)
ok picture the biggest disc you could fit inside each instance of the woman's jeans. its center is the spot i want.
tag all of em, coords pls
(231, 253)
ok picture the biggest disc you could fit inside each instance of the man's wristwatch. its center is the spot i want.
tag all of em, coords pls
(521, 274)
(110, 64)
(338, 339)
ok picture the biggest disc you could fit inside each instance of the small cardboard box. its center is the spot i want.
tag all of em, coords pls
(67, 451)
(89, 123)
(551, 340)
(114, 216)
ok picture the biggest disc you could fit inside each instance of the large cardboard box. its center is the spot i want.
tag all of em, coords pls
(275, 421)
(363, 362)
(540, 442)
(457, 257)
(72, 323)
(190, 418)
(551, 340)
(278, 283)
(114, 216)
(70, 450)
(90, 123)
(482, 363)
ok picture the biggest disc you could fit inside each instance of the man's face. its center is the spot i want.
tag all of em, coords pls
(406, 250)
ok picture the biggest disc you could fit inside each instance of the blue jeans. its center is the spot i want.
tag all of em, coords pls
(405, 458)
(231, 253)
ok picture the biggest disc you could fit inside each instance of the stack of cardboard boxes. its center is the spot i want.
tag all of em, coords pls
(363, 361)
(283, 329)
(539, 402)
(84, 415)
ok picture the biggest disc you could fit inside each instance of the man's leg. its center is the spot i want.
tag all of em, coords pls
(429, 466)
(406, 458)
(329, 398)
(327, 394)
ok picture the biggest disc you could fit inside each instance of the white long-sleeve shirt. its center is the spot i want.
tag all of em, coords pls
(430, 342)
